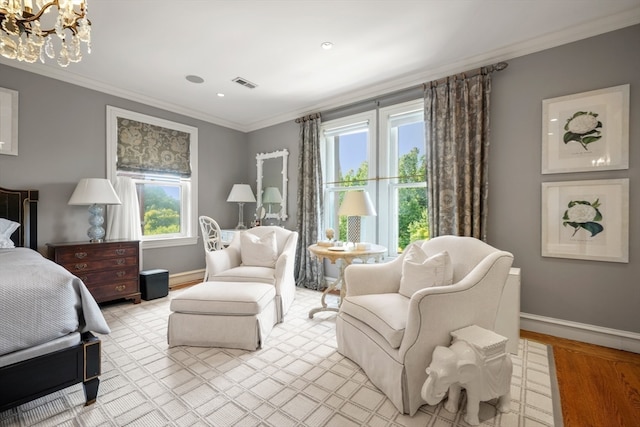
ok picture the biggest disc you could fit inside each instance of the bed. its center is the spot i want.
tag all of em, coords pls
(47, 315)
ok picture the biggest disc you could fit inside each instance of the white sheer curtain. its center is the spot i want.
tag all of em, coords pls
(123, 221)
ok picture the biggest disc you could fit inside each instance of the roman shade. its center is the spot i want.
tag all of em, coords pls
(151, 149)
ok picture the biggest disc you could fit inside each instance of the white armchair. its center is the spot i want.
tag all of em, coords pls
(252, 256)
(392, 336)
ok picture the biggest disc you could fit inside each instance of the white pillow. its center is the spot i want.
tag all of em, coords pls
(7, 227)
(259, 251)
(420, 271)
(5, 242)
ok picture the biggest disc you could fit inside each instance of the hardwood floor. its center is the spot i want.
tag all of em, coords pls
(599, 386)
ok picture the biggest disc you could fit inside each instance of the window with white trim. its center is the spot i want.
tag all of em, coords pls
(158, 156)
(403, 176)
(348, 163)
(388, 161)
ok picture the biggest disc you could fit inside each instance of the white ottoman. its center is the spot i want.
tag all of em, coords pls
(223, 314)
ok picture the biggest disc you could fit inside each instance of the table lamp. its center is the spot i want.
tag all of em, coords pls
(355, 205)
(241, 194)
(95, 192)
(271, 196)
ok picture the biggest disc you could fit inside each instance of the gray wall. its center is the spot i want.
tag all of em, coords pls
(592, 292)
(597, 293)
(61, 143)
(276, 138)
(62, 134)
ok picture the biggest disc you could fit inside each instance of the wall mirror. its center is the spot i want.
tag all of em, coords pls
(272, 183)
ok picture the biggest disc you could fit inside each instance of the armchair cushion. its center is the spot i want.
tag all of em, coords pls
(259, 251)
(259, 264)
(246, 274)
(385, 313)
(392, 337)
(421, 271)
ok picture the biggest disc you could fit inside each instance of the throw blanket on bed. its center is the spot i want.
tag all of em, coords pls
(41, 301)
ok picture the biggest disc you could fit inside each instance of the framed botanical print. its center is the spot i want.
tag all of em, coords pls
(586, 219)
(8, 121)
(588, 131)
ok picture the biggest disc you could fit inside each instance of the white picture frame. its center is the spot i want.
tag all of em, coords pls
(587, 131)
(586, 220)
(8, 122)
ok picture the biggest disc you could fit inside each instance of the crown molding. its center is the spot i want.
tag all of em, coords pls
(551, 40)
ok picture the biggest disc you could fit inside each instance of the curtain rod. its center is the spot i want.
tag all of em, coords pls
(378, 99)
(308, 117)
(469, 73)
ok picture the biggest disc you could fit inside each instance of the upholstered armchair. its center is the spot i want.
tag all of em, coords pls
(395, 314)
(260, 255)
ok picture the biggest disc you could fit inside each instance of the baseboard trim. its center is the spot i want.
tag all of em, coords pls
(179, 279)
(606, 337)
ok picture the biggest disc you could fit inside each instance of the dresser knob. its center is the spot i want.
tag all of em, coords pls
(121, 261)
(81, 255)
(120, 251)
(81, 266)
(121, 273)
(120, 288)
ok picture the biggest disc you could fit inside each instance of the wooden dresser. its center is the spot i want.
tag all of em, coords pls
(110, 270)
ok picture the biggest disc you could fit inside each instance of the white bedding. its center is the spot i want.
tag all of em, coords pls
(74, 338)
(41, 301)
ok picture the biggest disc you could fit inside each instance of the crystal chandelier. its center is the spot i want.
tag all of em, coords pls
(25, 36)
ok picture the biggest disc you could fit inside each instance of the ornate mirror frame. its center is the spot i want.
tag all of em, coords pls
(260, 158)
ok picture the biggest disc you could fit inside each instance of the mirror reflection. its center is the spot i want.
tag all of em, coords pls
(272, 184)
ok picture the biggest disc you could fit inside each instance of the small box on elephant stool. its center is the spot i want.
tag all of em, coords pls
(154, 284)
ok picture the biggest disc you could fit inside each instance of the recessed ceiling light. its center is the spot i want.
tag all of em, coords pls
(220, 95)
(194, 79)
(326, 45)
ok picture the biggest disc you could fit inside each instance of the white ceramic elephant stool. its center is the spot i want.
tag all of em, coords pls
(476, 361)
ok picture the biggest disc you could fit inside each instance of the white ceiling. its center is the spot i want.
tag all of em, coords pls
(143, 49)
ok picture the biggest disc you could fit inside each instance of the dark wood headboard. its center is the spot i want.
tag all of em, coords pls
(21, 206)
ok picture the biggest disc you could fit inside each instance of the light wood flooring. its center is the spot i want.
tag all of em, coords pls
(599, 386)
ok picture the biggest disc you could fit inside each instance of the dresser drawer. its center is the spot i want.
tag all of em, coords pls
(90, 264)
(82, 253)
(115, 290)
(99, 277)
(110, 270)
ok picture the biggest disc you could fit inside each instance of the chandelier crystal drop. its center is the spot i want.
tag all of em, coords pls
(28, 28)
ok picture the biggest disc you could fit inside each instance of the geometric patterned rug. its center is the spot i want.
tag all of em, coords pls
(297, 379)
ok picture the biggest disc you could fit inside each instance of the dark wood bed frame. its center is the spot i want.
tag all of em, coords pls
(30, 379)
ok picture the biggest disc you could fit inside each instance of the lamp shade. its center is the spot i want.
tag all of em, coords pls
(94, 191)
(357, 203)
(271, 195)
(241, 193)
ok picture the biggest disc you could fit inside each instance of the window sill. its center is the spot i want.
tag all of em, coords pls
(169, 242)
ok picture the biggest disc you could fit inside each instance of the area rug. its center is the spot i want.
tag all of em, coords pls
(297, 379)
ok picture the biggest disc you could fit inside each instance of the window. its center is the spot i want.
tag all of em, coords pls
(389, 163)
(166, 183)
(403, 186)
(161, 204)
(348, 159)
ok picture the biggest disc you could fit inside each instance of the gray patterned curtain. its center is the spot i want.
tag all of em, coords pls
(309, 271)
(456, 111)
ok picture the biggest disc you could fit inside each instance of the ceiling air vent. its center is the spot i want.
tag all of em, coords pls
(245, 82)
